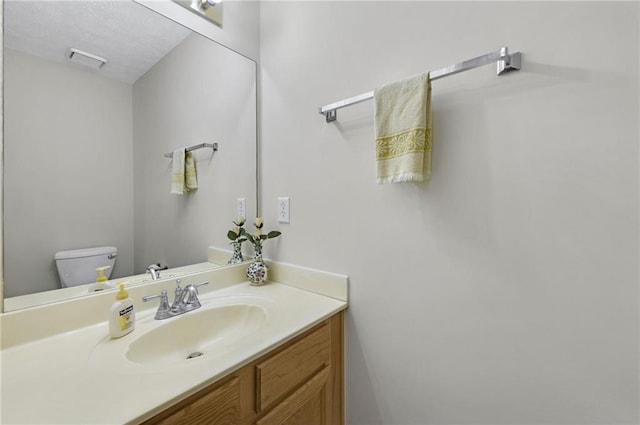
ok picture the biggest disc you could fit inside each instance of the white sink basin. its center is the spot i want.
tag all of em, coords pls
(196, 333)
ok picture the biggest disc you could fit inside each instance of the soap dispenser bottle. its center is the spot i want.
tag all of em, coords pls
(101, 281)
(123, 318)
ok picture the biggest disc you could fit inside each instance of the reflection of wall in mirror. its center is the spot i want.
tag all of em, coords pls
(68, 184)
(185, 99)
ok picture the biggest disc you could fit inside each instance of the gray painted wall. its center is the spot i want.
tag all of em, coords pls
(186, 99)
(55, 197)
(505, 290)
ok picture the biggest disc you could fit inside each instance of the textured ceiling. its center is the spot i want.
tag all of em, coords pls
(131, 37)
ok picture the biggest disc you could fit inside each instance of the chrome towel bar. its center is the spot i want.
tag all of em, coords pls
(213, 146)
(506, 62)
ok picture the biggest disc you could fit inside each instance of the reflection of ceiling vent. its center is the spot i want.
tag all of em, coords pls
(84, 58)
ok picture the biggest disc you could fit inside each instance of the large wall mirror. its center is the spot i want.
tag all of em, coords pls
(84, 148)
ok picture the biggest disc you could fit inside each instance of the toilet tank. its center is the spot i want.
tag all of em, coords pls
(78, 266)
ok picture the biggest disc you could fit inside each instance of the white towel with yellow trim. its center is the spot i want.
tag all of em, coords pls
(190, 175)
(403, 130)
(183, 172)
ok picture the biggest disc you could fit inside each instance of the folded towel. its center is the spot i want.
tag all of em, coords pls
(183, 172)
(177, 172)
(191, 178)
(403, 130)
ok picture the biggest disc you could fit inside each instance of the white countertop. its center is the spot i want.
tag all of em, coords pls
(83, 377)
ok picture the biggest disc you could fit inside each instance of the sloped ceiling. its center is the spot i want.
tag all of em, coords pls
(131, 37)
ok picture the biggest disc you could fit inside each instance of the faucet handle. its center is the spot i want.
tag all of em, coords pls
(162, 295)
(197, 285)
(163, 308)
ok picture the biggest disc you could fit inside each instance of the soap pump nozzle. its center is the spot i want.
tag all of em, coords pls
(122, 293)
(101, 276)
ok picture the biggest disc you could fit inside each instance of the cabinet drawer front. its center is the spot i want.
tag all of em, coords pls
(221, 406)
(287, 370)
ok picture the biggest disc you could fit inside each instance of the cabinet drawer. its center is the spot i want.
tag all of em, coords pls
(290, 368)
(218, 406)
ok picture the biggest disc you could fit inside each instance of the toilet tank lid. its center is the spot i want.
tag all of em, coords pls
(85, 252)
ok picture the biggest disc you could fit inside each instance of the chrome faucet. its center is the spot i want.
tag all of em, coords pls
(154, 269)
(186, 299)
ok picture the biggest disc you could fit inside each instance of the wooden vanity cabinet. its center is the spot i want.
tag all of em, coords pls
(298, 383)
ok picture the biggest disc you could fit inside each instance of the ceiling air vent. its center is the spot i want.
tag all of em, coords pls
(84, 58)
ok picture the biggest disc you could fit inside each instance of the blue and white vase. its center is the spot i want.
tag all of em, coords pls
(257, 272)
(237, 253)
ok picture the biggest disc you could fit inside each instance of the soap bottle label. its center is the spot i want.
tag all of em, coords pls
(124, 318)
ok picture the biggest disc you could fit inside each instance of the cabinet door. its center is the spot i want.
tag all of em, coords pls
(285, 371)
(310, 413)
(307, 406)
(217, 406)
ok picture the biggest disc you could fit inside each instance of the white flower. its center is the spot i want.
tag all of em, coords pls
(259, 222)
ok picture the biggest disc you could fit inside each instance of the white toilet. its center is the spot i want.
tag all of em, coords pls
(78, 266)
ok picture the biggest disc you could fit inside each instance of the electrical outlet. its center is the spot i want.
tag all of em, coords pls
(283, 210)
(241, 208)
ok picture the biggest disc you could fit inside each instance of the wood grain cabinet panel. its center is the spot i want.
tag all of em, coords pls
(298, 383)
(306, 406)
(217, 406)
(290, 368)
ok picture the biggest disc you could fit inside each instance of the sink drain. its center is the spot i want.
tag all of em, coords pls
(194, 355)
